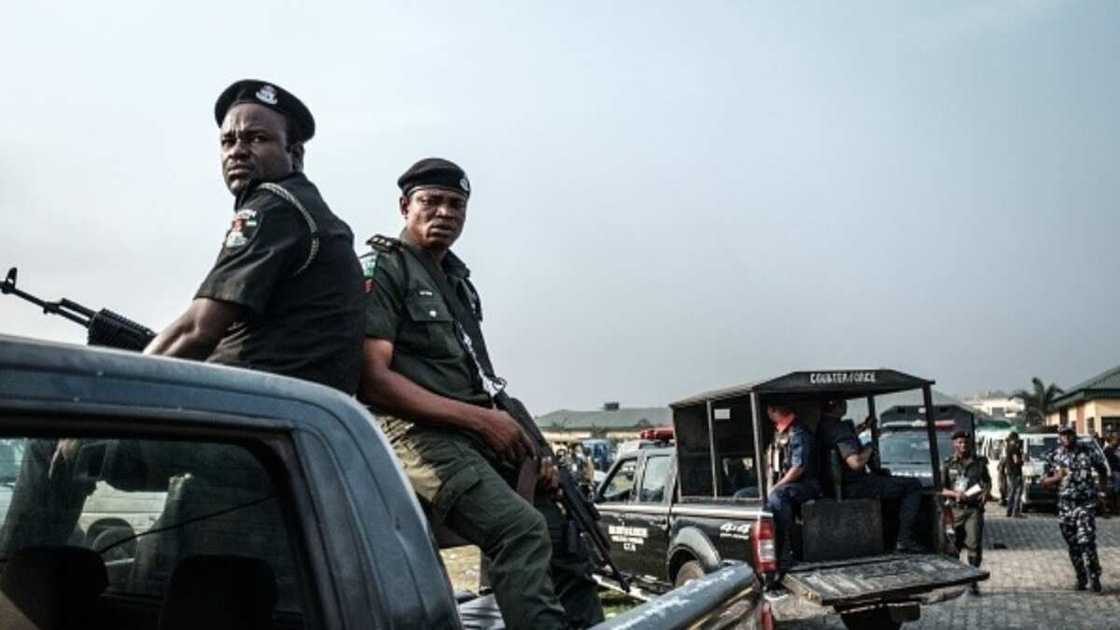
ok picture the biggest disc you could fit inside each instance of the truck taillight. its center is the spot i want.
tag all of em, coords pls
(765, 552)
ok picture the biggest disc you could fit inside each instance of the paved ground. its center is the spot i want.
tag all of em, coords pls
(1030, 587)
(1031, 584)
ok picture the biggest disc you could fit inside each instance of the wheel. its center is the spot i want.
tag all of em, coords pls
(688, 572)
(874, 619)
(110, 535)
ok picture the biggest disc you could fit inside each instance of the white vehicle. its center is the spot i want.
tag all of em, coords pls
(634, 445)
(990, 444)
(1035, 448)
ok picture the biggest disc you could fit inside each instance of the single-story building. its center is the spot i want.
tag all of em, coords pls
(612, 422)
(1090, 406)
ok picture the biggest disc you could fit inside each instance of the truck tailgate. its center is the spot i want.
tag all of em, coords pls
(889, 576)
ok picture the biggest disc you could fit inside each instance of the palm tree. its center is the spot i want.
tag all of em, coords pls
(1038, 402)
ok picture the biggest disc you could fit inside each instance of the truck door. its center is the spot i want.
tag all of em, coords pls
(650, 519)
(615, 502)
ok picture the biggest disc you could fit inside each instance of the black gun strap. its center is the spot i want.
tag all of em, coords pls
(466, 320)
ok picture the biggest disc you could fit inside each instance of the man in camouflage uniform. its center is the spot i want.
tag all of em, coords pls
(1070, 468)
(422, 377)
(967, 484)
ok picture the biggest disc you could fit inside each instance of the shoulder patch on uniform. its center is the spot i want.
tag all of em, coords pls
(243, 228)
(382, 243)
(369, 264)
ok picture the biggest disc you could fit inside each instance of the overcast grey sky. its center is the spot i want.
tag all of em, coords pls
(668, 197)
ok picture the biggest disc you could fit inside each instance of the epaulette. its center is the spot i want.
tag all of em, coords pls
(384, 244)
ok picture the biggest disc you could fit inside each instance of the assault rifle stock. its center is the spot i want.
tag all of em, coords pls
(105, 327)
(581, 511)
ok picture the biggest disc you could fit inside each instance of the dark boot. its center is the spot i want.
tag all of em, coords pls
(1081, 582)
(974, 588)
(1096, 585)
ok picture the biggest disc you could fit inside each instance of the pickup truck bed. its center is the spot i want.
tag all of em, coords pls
(851, 582)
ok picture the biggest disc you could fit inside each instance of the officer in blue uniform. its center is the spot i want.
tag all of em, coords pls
(797, 481)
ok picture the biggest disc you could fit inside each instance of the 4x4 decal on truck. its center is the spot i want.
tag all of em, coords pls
(737, 531)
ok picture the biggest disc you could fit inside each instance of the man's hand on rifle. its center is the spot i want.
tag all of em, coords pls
(549, 477)
(502, 434)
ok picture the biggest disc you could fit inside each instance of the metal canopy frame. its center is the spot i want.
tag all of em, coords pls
(820, 385)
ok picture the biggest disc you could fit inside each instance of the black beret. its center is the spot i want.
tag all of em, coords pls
(960, 434)
(1067, 429)
(271, 96)
(435, 172)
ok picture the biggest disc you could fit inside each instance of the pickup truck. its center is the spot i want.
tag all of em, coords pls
(675, 514)
(285, 507)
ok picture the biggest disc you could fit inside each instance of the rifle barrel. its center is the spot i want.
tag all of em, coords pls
(55, 308)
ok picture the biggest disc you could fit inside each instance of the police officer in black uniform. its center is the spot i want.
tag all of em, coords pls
(285, 293)
(858, 483)
(283, 296)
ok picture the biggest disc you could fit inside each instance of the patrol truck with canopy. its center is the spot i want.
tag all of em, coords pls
(675, 514)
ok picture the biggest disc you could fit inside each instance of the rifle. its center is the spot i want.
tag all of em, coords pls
(580, 510)
(105, 327)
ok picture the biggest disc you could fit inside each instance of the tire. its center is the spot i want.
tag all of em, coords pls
(688, 572)
(874, 619)
(113, 534)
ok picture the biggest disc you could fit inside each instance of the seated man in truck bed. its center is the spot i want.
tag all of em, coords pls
(798, 481)
(858, 483)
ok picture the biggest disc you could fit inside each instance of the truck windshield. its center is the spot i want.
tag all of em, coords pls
(911, 447)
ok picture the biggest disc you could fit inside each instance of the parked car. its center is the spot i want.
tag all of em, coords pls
(1035, 447)
(675, 514)
(285, 508)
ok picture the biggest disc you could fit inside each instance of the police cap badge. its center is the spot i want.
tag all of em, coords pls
(271, 96)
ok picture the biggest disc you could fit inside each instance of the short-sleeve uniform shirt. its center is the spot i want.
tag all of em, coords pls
(961, 474)
(302, 295)
(405, 306)
(800, 451)
(1078, 486)
(839, 434)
